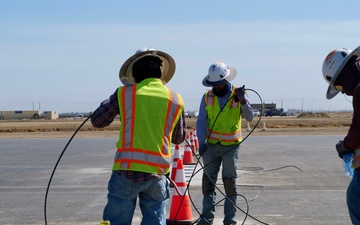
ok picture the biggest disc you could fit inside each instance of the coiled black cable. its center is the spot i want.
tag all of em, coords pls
(57, 163)
(205, 172)
(193, 174)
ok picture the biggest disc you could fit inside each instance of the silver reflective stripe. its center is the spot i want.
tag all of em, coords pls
(173, 104)
(226, 137)
(210, 98)
(128, 116)
(124, 165)
(131, 155)
(234, 104)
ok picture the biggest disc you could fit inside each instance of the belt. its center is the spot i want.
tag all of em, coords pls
(357, 152)
(356, 160)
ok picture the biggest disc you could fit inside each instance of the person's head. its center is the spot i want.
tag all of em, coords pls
(146, 67)
(349, 77)
(218, 77)
(338, 71)
(146, 63)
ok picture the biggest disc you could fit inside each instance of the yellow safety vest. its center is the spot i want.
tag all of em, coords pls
(227, 127)
(149, 112)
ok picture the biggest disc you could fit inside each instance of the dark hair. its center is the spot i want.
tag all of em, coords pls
(147, 67)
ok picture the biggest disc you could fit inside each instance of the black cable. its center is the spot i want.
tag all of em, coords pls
(193, 174)
(202, 166)
(278, 168)
(53, 172)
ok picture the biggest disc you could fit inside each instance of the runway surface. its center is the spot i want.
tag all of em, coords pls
(296, 180)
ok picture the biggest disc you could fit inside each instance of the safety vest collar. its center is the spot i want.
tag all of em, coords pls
(210, 98)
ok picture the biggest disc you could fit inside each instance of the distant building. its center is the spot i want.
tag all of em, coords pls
(51, 115)
(264, 107)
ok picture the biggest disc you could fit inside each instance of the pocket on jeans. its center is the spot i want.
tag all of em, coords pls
(121, 187)
(160, 189)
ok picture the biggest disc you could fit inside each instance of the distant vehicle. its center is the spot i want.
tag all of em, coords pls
(256, 112)
(283, 114)
(293, 112)
(79, 116)
(274, 112)
(192, 114)
(268, 113)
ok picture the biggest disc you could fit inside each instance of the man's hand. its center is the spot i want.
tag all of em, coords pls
(240, 94)
(202, 149)
(340, 148)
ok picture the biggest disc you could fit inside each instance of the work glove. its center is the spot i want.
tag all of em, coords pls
(240, 94)
(341, 149)
(202, 149)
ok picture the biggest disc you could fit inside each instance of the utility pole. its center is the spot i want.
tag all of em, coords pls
(302, 105)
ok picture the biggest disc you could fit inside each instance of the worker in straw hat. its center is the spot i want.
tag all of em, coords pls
(219, 135)
(341, 70)
(152, 117)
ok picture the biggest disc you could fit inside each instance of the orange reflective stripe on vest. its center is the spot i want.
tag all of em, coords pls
(127, 156)
(210, 99)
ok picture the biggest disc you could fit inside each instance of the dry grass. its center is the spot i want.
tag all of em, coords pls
(311, 123)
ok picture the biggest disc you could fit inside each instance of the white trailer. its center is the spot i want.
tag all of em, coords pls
(51, 115)
(20, 114)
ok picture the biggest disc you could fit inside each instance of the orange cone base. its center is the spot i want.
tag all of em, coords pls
(188, 158)
(180, 212)
(179, 222)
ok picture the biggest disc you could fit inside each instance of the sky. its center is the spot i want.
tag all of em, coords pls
(65, 55)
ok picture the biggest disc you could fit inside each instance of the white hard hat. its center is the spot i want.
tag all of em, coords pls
(332, 66)
(218, 73)
(167, 69)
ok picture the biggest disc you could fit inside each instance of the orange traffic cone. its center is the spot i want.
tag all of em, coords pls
(175, 161)
(187, 137)
(196, 142)
(180, 210)
(188, 155)
(192, 144)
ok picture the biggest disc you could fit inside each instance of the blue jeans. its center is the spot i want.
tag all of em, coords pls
(353, 198)
(153, 199)
(212, 159)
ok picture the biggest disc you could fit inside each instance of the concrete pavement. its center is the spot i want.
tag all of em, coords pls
(282, 180)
